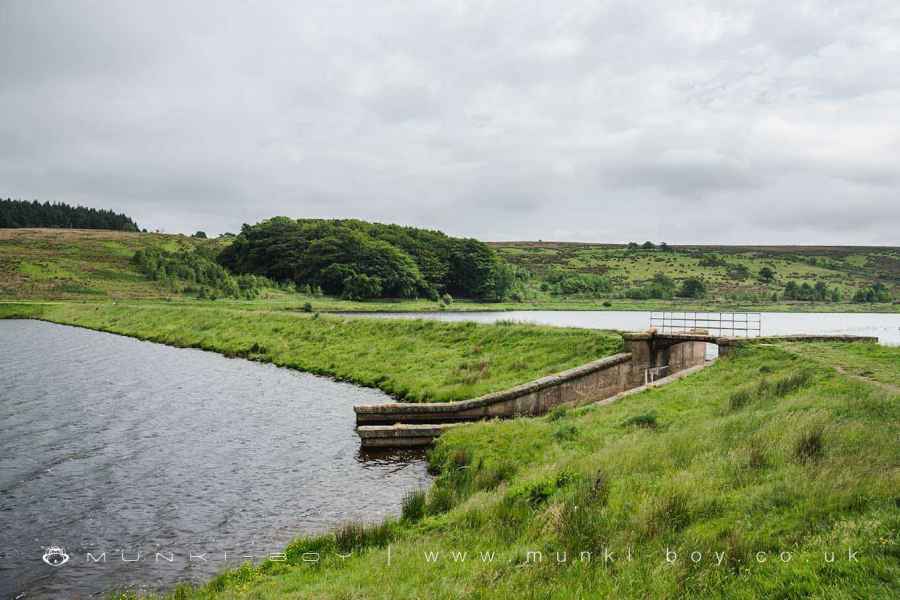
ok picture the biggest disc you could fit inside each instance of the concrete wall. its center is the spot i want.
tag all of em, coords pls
(405, 424)
(588, 383)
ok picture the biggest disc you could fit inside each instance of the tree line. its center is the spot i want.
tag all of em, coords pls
(22, 213)
(196, 272)
(360, 260)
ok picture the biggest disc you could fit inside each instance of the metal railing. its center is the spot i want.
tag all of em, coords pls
(651, 374)
(724, 324)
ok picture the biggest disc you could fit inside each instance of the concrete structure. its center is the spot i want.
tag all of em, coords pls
(587, 383)
(649, 356)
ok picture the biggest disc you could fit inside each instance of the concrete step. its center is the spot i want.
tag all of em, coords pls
(402, 435)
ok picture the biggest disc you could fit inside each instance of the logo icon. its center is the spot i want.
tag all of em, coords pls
(55, 556)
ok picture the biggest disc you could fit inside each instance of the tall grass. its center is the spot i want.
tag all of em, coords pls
(413, 360)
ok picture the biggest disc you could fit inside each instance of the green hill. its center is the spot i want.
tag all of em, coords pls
(71, 264)
(730, 273)
(81, 263)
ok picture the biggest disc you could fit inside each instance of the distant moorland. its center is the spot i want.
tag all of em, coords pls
(352, 265)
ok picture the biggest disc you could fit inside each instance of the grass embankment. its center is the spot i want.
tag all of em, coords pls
(413, 360)
(769, 467)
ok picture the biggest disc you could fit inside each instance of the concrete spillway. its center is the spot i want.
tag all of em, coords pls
(649, 358)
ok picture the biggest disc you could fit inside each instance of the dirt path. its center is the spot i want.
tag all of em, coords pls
(885, 386)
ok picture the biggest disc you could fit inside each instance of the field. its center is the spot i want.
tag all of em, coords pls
(767, 475)
(731, 273)
(93, 265)
(79, 264)
(413, 360)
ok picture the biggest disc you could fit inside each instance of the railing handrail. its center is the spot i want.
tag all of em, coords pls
(737, 324)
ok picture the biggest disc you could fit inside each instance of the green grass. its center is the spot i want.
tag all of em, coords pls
(55, 264)
(413, 360)
(866, 361)
(765, 491)
(844, 268)
(48, 264)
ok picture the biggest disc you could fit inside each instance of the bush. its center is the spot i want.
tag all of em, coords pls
(692, 287)
(188, 269)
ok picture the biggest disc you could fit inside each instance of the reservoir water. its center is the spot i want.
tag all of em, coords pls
(885, 326)
(123, 449)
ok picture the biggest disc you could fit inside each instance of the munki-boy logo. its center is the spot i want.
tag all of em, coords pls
(55, 556)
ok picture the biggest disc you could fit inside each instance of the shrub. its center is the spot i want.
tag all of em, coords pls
(307, 307)
(692, 287)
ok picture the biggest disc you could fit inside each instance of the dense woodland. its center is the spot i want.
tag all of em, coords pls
(21, 213)
(359, 260)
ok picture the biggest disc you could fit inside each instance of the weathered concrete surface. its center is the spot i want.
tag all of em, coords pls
(401, 435)
(594, 381)
(651, 350)
(653, 384)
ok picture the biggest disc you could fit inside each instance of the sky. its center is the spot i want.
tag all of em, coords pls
(735, 122)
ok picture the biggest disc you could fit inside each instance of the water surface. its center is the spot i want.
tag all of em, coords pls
(109, 444)
(884, 326)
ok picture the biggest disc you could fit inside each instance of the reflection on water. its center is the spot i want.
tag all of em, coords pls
(125, 449)
(884, 326)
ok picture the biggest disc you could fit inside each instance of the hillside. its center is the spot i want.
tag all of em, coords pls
(771, 474)
(731, 273)
(81, 263)
(71, 264)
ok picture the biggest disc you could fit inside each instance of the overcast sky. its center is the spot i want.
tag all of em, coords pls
(685, 122)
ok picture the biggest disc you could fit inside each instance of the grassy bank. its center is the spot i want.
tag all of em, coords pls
(413, 360)
(761, 474)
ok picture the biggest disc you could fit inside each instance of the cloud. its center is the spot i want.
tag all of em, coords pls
(744, 123)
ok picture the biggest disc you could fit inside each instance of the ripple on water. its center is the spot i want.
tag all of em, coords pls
(109, 444)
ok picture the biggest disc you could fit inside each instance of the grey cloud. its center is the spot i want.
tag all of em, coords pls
(594, 121)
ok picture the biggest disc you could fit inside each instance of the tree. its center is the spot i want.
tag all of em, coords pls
(200, 235)
(739, 272)
(648, 245)
(361, 287)
(820, 291)
(692, 287)
(766, 275)
(21, 213)
(409, 262)
(791, 290)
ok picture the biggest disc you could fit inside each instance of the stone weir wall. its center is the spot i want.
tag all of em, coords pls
(588, 383)
(408, 424)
